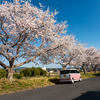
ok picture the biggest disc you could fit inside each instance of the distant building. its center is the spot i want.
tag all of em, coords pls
(44, 68)
(54, 70)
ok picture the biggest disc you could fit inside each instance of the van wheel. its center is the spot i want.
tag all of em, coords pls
(80, 79)
(72, 81)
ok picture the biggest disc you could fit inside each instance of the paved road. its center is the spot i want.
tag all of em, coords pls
(88, 89)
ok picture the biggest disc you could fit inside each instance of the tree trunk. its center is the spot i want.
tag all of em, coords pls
(84, 69)
(95, 67)
(64, 67)
(95, 70)
(10, 74)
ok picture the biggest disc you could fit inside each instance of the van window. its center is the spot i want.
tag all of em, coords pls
(73, 71)
(65, 72)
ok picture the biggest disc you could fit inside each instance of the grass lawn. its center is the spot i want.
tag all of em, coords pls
(29, 83)
(33, 83)
(89, 75)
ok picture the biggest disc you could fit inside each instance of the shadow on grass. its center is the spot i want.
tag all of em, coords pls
(96, 74)
(90, 95)
(57, 81)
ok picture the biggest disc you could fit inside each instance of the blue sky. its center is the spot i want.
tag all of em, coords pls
(83, 18)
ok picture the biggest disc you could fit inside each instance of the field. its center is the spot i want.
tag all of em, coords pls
(33, 82)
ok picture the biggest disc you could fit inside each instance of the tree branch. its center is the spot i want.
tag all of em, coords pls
(3, 65)
(35, 57)
(18, 39)
(4, 32)
(4, 56)
(27, 61)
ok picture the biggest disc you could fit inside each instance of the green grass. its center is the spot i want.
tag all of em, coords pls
(34, 82)
(20, 84)
(89, 75)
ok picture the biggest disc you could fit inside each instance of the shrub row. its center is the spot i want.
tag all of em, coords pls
(33, 72)
(25, 72)
(18, 76)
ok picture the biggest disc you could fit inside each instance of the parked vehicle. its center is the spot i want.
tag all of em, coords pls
(70, 75)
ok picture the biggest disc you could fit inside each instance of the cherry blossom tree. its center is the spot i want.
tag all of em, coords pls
(80, 59)
(89, 57)
(96, 63)
(68, 56)
(94, 58)
(29, 33)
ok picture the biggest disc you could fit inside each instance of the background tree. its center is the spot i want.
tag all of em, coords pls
(87, 58)
(94, 58)
(68, 56)
(80, 59)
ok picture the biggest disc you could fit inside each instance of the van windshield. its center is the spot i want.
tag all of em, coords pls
(65, 72)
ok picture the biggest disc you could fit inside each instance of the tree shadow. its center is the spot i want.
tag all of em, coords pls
(57, 81)
(90, 95)
(97, 74)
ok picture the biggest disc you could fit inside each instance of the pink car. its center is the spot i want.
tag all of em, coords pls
(70, 75)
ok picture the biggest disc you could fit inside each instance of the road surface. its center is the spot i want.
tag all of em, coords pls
(88, 89)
